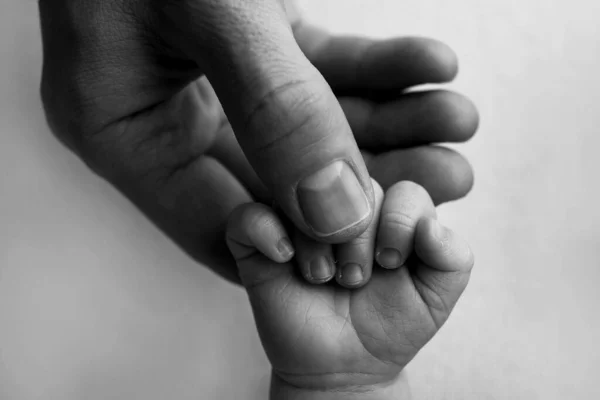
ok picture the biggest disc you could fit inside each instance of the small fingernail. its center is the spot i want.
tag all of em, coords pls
(351, 275)
(332, 199)
(285, 248)
(321, 269)
(389, 258)
(438, 230)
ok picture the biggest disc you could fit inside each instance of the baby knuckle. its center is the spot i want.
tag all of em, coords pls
(399, 220)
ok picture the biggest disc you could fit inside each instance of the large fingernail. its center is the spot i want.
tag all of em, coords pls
(321, 270)
(351, 275)
(389, 258)
(333, 200)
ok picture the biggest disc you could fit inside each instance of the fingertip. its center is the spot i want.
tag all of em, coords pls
(436, 59)
(352, 276)
(255, 227)
(456, 115)
(464, 179)
(458, 177)
(389, 258)
(441, 248)
(314, 259)
(431, 60)
(431, 238)
(320, 270)
(285, 248)
(405, 204)
(430, 235)
(355, 258)
(444, 173)
(446, 60)
(411, 194)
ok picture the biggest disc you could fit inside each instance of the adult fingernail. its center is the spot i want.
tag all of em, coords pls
(285, 248)
(332, 199)
(321, 270)
(389, 258)
(351, 275)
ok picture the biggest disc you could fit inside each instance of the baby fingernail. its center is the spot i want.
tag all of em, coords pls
(389, 258)
(438, 230)
(285, 248)
(440, 233)
(351, 275)
(321, 269)
(333, 199)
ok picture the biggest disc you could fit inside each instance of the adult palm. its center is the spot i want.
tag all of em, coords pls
(121, 90)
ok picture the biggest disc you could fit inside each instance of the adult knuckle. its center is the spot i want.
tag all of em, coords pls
(282, 112)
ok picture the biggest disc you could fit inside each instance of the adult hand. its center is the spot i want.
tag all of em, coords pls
(155, 96)
(328, 342)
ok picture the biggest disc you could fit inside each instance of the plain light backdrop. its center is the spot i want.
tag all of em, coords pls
(96, 304)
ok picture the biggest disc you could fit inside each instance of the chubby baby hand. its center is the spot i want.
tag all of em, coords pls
(336, 341)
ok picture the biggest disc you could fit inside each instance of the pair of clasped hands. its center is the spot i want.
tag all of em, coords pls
(296, 163)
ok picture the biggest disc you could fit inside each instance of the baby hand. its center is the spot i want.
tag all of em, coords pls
(326, 341)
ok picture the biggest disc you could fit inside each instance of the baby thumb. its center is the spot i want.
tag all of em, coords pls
(444, 268)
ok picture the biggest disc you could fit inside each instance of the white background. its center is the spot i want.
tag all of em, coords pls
(96, 304)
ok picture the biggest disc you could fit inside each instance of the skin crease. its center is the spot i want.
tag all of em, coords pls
(327, 342)
(139, 111)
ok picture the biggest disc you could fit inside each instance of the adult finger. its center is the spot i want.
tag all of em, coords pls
(285, 116)
(359, 63)
(444, 173)
(412, 119)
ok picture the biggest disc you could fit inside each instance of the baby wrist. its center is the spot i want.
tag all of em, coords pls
(397, 390)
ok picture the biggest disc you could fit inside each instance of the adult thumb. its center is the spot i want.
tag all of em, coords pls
(285, 116)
